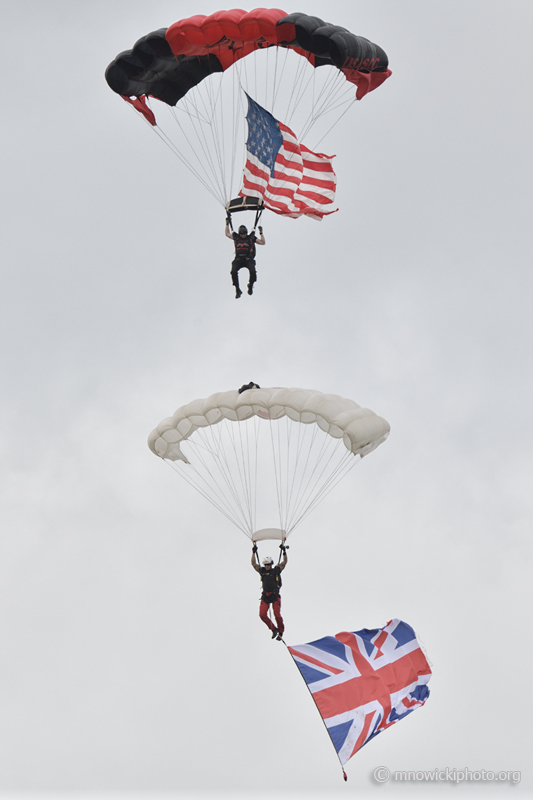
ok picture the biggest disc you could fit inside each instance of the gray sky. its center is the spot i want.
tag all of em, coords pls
(132, 656)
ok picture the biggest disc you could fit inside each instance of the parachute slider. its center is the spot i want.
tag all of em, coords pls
(245, 204)
(266, 534)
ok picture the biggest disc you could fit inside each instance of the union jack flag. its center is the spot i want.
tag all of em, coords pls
(290, 178)
(364, 682)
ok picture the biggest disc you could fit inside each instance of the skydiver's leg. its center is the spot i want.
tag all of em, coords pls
(263, 613)
(276, 607)
(253, 275)
(235, 276)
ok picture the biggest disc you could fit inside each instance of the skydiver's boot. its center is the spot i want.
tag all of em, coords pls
(275, 633)
(237, 293)
(279, 637)
(250, 288)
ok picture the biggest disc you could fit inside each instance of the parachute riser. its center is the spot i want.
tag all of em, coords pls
(244, 204)
(257, 218)
(269, 534)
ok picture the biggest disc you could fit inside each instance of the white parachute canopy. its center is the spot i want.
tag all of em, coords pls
(267, 456)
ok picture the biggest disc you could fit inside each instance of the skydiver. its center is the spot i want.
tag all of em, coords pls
(271, 582)
(244, 255)
(246, 386)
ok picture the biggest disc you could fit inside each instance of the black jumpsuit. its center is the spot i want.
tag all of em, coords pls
(244, 258)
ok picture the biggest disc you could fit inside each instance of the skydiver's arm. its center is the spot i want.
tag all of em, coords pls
(283, 563)
(228, 232)
(262, 239)
(255, 565)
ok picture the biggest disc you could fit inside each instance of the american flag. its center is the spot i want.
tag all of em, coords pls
(364, 682)
(290, 178)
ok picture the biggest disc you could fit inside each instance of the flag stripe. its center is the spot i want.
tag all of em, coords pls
(290, 178)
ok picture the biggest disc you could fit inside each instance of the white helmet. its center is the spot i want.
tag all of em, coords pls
(267, 560)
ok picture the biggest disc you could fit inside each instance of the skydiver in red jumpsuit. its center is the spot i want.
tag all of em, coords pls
(271, 582)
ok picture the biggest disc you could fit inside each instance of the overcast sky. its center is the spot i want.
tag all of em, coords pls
(133, 659)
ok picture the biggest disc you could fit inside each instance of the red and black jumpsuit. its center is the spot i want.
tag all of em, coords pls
(244, 258)
(271, 580)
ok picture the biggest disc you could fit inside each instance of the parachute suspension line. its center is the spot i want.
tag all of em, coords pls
(244, 475)
(274, 84)
(334, 83)
(276, 456)
(236, 104)
(239, 116)
(285, 470)
(326, 489)
(243, 68)
(218, 138)
(233, 129)
(184, 106)
(304, 89)
(325, 99)
(246, 507)
(303, 435)
(287, 466)
(316, 109)
(217, 496)
(201, 141)
(345, 465)
(300, 490)
(201, 135)
(295, 493)
(267, 73)
(289, 425)
(308, 437)
(280, 81)
(223, 115)
(211, 441)
(175, 150)
(339, 95)
(230, 517)
(328, 444)
(335, 123)
(255, 467)
(229, 475)
(295, 92)
(187, 477)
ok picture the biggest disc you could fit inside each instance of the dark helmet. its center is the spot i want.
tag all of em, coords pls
(243, 230)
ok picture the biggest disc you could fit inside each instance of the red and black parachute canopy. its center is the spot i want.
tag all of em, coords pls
(168, 62)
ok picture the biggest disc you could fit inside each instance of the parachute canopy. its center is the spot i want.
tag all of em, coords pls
(266, 455)
(168, 62)
(271, 55)
(364, 682)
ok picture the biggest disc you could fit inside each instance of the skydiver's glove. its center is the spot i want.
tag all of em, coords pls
(282, 548)
(260, 229)
(228, 220)
(254, 548)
